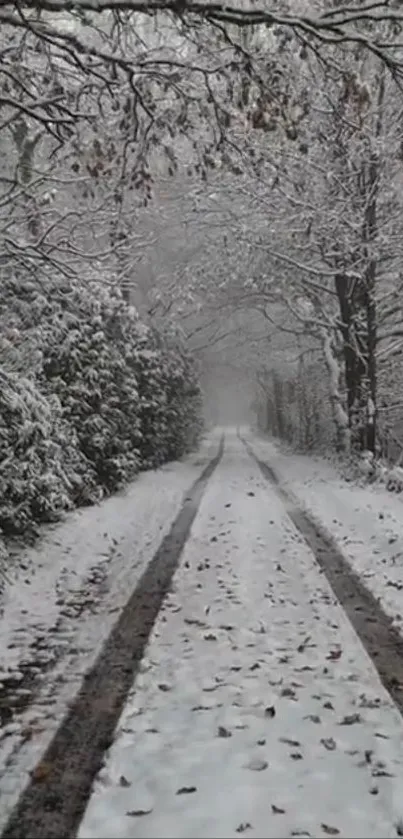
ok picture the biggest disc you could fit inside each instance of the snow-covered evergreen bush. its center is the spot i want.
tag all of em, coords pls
(40, 467)
(88, 368)
(89, 395)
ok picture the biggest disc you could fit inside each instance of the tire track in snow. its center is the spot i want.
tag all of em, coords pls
(54, 801)
(373, 626)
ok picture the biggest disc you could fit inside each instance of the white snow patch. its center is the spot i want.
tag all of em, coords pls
(243, 717)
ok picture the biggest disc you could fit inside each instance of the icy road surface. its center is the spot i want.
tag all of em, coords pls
(257, 709)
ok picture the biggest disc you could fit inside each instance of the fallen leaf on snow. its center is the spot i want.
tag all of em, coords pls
(223, 732)
(289, 742)
(256, 764)
(277, 811)
(331, 831)
(328, 743)
(366, 702)
(378, 772)
(139, 812)
(195, 622)
(313, 718)
(243, 826)
(164, 687)
(334, 655)
(270, 711)
(210, 636)
(124, 782)
(300, 833)
(296, 756)
(351, 719)
(185, 790)
(301, 648)
(289, 693)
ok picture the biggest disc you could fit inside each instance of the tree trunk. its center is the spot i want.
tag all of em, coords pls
(340, 416)
(358, 328)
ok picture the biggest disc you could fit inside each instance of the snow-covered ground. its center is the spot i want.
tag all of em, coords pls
(257, 710)
(365, 521)
(59, 608)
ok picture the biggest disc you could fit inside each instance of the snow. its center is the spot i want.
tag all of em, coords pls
(244, 707)
(365, 521)
(59, 610)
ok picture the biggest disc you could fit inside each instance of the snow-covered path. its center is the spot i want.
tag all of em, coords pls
(366, 521)
(257, 709)
(63, 602)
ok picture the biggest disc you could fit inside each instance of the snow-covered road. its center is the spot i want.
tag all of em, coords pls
(63, 601)
(257, 709)
(365, 521)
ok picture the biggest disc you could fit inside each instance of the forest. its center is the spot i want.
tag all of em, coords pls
(200, 220)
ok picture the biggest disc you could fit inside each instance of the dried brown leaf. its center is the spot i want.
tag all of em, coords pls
(223, 732)
(270, 711)
(289, 742)
(351, 719)
(328, 743)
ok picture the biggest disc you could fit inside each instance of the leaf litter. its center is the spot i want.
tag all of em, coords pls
(300, 620)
